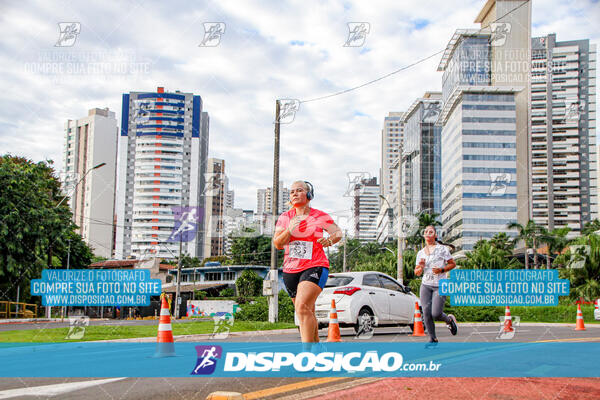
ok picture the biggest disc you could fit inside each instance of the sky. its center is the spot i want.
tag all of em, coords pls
(268, 51)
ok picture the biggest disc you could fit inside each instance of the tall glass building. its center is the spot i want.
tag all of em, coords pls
(479, 160)
(421, 157)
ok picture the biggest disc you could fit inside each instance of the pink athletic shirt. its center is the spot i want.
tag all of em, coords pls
(303, 251)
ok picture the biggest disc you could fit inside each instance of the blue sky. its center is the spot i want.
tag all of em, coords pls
(271, 50)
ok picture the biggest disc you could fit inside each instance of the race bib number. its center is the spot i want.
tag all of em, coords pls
(429, 276)
(301, 249)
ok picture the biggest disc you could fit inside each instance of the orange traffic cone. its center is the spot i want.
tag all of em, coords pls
(507, 320)
(580, 326)
(333, 333)
(596, 304)
(418, 329)
(165, 346)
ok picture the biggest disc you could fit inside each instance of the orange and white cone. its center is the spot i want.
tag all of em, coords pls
(507, 320)
(418, 329)
(333, 332)
(596, 304)
(165, 344)
(579, 326)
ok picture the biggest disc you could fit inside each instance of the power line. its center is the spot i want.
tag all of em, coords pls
(400, 69)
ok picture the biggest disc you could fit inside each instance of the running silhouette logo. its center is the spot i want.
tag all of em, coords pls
(431, 112)
(287, 110)
(212, 34)
(77, 327)
(207, 359)
(356, 184)
(357, 34)
(68, 34)
(187, 220)
(499, 183)
(500, 31)
(213, 183)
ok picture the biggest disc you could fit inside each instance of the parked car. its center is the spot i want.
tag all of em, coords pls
(366, 298)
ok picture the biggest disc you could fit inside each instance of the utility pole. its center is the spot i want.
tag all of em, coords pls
(345, 245)
(68, 261)
(400, 267)
(274, 296)
(178, 292)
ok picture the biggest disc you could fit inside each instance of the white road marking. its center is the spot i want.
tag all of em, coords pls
(54, 390)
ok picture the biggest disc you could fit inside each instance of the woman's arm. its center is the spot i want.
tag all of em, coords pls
(335, 235)
(283, 235)
(450, 265)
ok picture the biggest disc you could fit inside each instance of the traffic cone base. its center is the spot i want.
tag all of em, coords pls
(579, 325)
(333, 332)
(165, 346)
(418, 329)
(507, 320)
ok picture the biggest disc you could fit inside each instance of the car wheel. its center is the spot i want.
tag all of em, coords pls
(364, 321)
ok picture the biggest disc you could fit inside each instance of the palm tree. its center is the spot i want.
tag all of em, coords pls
(529, 235)
(502, 241)
(585, 281)
(555, 240)
(486, 256)
(591, 227)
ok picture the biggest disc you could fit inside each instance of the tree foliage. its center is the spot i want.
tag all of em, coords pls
(34, 232)
(249, 284)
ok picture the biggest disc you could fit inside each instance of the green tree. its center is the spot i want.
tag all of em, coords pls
(251, 249)
(583, 268)
(486, 256)
(34, 231)
(591, 227)
(529, 234)
(502, 241)
(249, 284)
(555, 240)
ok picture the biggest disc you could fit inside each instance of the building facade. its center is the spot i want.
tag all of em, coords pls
(421, 157)
(163, 150)
(564, 152)
(365, 209)
(391, 138)
(91, 141)
(215, 197)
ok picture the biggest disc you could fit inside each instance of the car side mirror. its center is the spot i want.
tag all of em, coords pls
(407, 289)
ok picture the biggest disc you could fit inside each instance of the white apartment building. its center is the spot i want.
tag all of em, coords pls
(89, 142)
(163, 150)
(564, 151)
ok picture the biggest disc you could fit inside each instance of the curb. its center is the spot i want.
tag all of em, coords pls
(200, 336)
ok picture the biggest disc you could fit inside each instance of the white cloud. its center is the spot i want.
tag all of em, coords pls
(281, 50)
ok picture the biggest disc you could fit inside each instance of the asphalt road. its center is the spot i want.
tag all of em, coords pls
(200, 387)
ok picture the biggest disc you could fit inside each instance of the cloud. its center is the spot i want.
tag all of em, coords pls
(288, 49)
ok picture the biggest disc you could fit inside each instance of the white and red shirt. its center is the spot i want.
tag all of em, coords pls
(303, 251)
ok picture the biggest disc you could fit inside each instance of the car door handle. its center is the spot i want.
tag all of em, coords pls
(392, 294)
(371, 292)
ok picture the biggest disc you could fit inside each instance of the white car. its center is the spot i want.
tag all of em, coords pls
(366, 299)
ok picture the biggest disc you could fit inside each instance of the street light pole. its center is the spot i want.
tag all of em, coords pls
(400, 272)
(49, 308)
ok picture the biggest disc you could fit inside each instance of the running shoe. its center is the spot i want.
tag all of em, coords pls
(452, 325)
(432, 343)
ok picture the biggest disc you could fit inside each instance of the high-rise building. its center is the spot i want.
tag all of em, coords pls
(421, 157)
(214, 211)
(264, 201)
(163, 149)
(365, 209)
(485, 118)
(391, 137)
(563, 133)
(91, 141)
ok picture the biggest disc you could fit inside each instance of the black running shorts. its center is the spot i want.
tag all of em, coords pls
(316, 275)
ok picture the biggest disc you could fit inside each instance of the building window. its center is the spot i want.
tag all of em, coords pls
(212, 276)
(229, 276)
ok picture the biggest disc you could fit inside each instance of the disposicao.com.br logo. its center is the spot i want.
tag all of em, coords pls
(370, 361)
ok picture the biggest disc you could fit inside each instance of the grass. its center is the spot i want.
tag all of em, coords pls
(100, 332)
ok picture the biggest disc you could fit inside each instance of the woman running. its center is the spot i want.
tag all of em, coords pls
(434, 260)
(305, 265)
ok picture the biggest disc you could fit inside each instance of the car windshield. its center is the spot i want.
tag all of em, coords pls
(338, 280)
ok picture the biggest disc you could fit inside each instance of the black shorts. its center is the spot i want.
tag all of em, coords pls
(316, 275)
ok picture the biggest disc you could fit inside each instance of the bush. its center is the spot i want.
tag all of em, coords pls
(259, 309)
(249, 284)
(228, 292)
(200, 295)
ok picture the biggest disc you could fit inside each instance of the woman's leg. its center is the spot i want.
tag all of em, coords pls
(305, 309)
(437, 307)
(425, 295)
